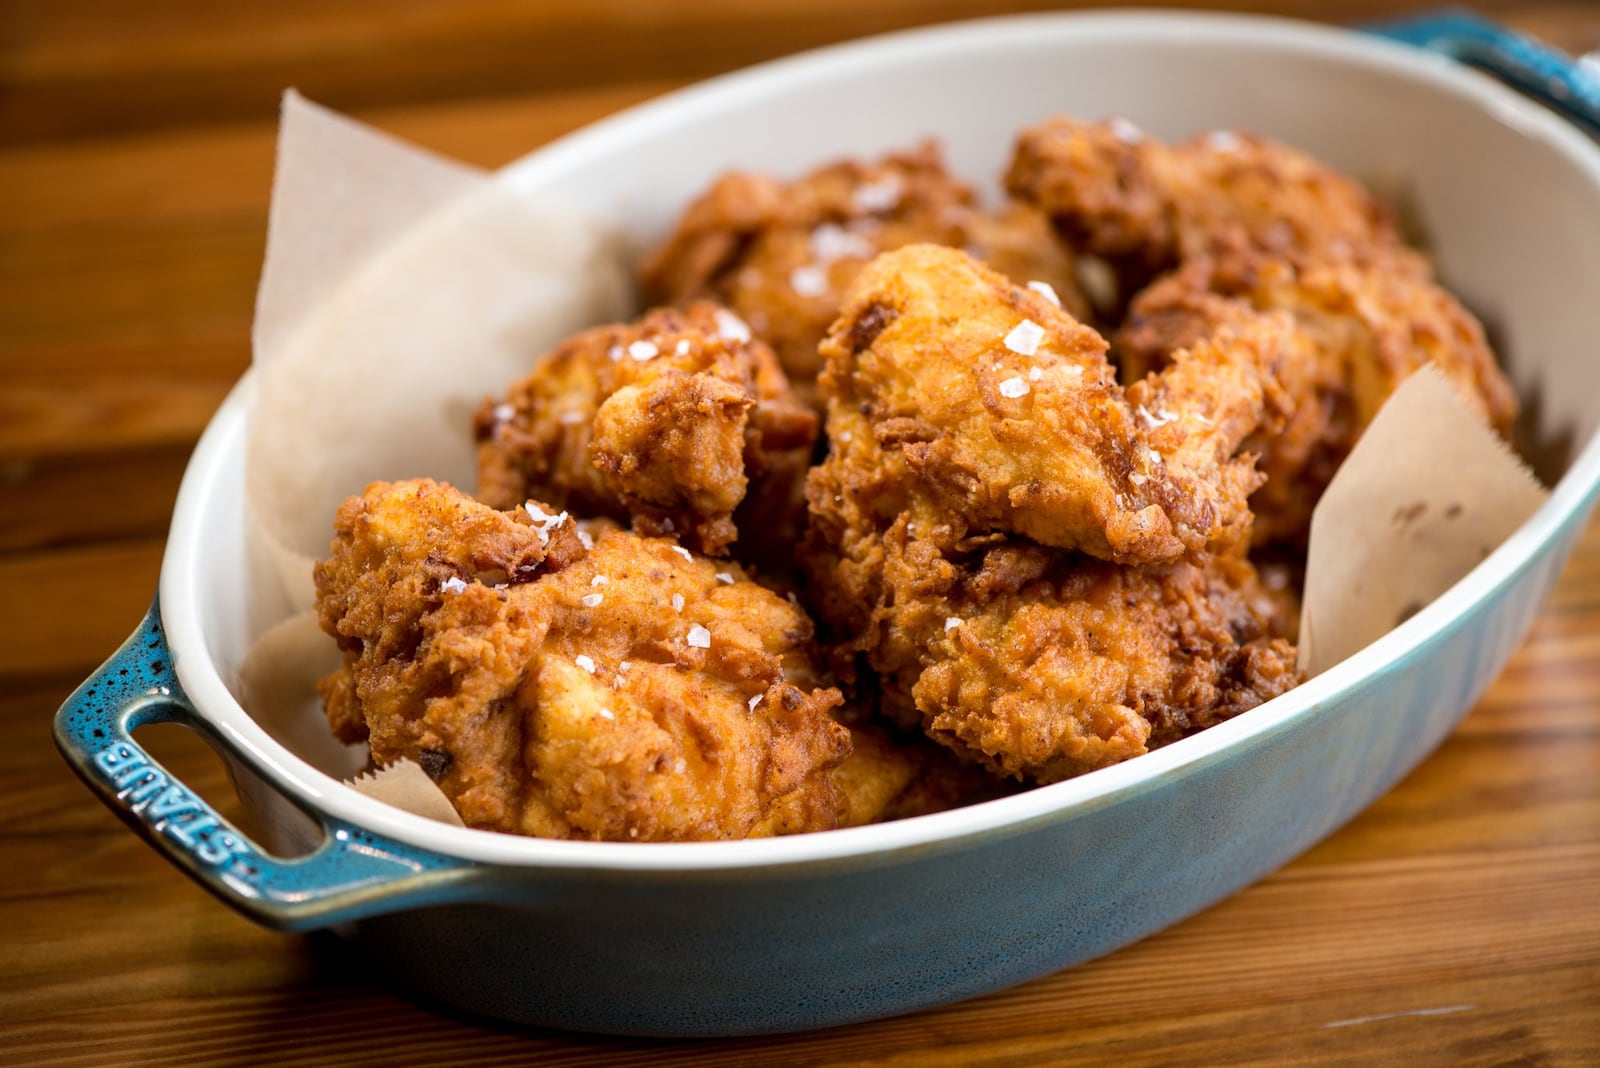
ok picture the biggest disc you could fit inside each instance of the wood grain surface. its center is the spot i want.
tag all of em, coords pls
(1457, 921)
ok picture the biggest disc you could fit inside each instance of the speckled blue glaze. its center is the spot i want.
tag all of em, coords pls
(352, 869)
(1526, 65)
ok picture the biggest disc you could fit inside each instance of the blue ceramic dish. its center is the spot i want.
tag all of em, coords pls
(810, 931)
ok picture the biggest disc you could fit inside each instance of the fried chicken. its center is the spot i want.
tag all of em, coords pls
(1005, 411)
(674, 420)
(1245, 225)
(1361, 329)
(1027, 656)
(1042, 664)
(1147, 206)
(622, 690)
(780, 254)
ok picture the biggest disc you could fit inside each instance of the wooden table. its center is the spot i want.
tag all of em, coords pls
(1457, 921)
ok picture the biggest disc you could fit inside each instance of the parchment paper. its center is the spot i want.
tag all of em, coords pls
(1426, 494)
(401, 288)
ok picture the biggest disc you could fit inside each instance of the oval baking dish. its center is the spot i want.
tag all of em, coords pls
(815, 930)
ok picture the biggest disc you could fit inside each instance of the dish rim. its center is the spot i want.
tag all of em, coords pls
(318, 793)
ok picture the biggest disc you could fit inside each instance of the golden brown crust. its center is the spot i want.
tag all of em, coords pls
(1118, 194)
(781, 254)
(1041, 664)
(1032, 659)
(668, 420)
(1361, 328)
(628, 691)
(1248, 226)
(1005, 411)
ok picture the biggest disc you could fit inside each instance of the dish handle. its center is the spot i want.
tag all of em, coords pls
(352, 873)
(1567, 86)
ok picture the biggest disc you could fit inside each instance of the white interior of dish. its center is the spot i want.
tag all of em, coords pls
(1508, 194)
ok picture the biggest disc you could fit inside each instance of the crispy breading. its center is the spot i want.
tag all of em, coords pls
(628, 691)
(780, 254)
(1361, 328)
(1043, 664)
(674, 420)
(1146, 205)
(1025, 656)
(1246, 225)
(1006, 412)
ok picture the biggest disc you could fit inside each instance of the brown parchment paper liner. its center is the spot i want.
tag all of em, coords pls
(1426, 494)
(400, 289)
(404, 784)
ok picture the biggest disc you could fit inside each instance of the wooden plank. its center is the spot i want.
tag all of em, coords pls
(190, 173)
(60, 501)
(73, 607)
(73, 71)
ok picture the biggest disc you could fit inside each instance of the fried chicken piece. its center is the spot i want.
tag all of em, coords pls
(781, 254)
(1055, 667)
(1361, 328)
(1037, 663)
(1029, 659)
(893, 774)
(627, 690)
(674, 421)
(1005, 410)
(1147, 206)
(1246, 224)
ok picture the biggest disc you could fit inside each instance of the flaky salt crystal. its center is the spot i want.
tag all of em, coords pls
(808, 281)
(1125, 131)
(1025, 337)
(452, 585)
(1047, 291)
(592, 600)
(643, 350)
(1161, 417)
(699, 637)
(543, 522)
(677, 602)
(584, 661)
(731, 326)
(1013, 387)
(833, 242)
(1223, 140)
(879, 196)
